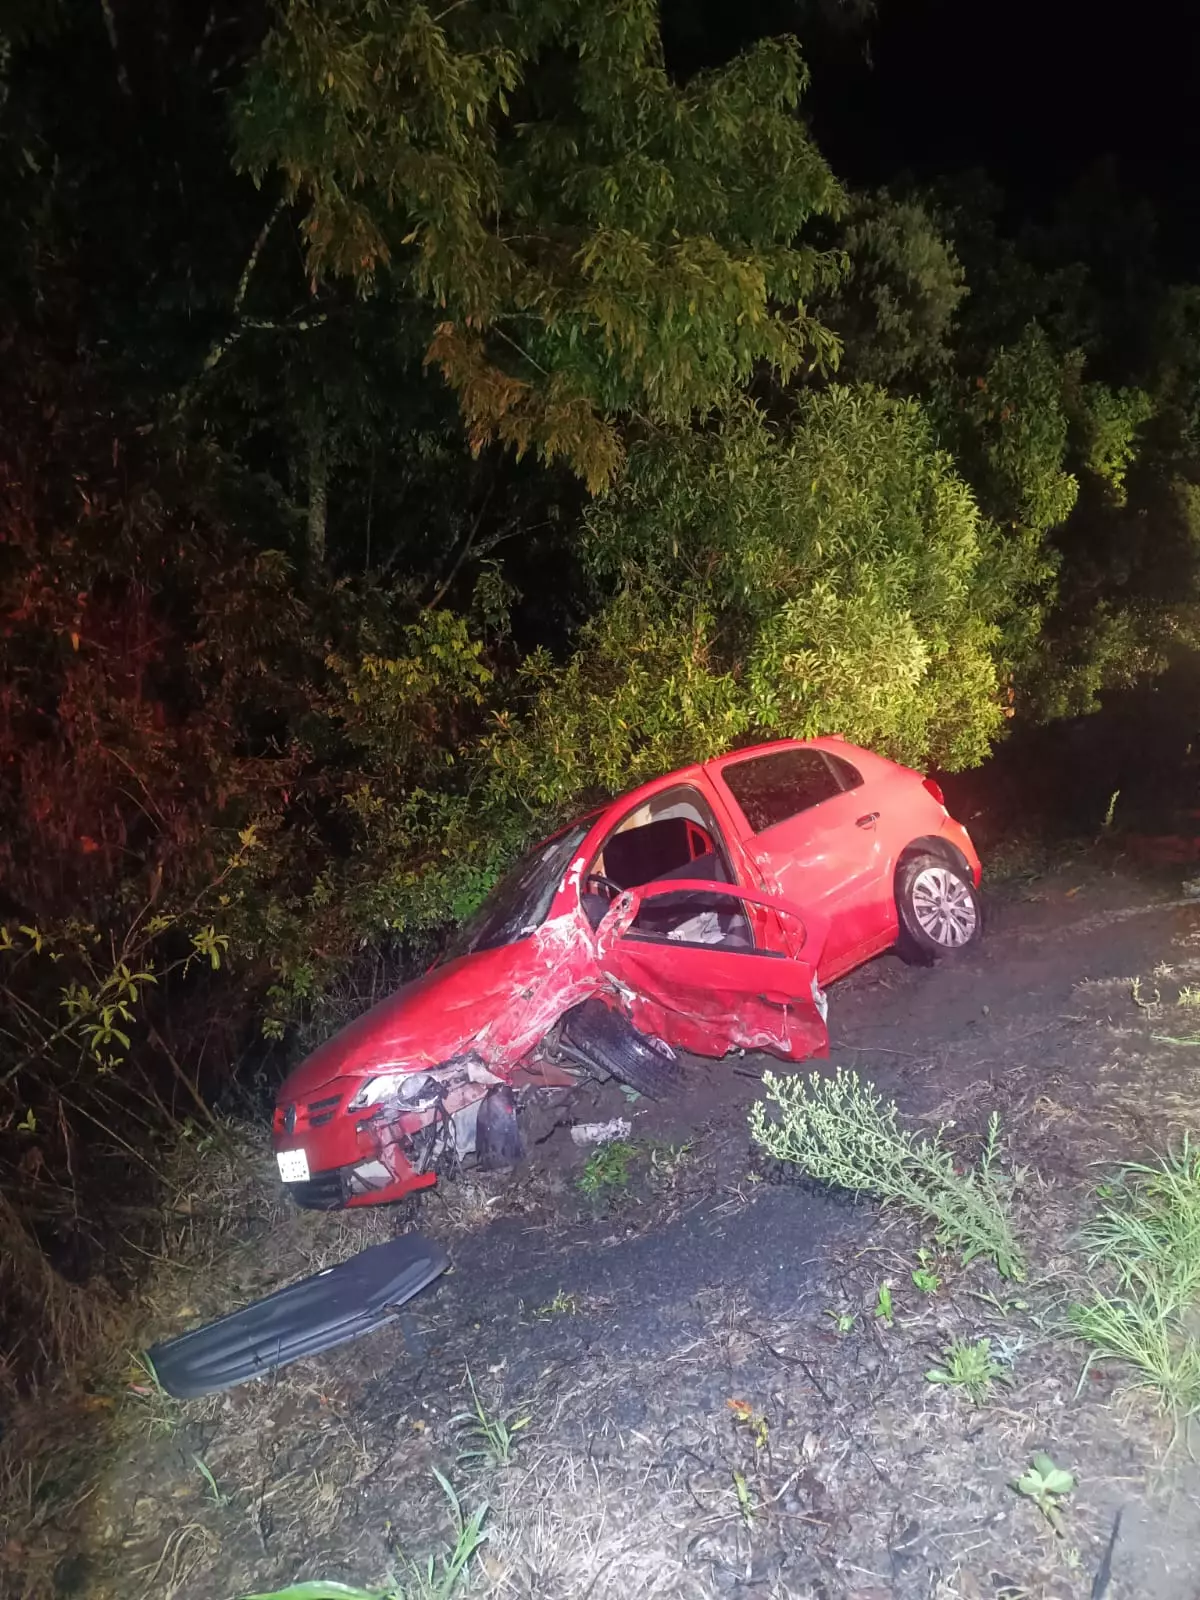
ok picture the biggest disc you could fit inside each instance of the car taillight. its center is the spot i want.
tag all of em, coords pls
(935, 789)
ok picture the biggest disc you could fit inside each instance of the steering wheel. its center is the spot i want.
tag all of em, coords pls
(611, 888)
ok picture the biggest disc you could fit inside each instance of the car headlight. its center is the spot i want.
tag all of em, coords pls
(406, 1085)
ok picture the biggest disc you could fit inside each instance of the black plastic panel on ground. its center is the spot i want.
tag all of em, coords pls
(334, 1306)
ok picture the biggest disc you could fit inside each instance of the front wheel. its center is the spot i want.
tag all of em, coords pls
(938, 907)
(611, 1047)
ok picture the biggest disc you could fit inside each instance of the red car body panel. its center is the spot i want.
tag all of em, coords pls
(790, 906)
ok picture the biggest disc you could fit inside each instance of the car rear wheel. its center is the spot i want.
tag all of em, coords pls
(939, 908)
(604, 1042)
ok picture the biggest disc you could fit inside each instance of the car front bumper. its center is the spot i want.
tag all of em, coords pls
(331, 1156)
(339, 1187)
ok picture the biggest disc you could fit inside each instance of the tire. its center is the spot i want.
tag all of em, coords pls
(939, 909)
(497, 1136)
(604, 1042)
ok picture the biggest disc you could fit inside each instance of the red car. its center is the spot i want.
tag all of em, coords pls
(705, 911)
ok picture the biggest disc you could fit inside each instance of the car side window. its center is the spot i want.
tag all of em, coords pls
(771, 788)
(686, 843)
(645, 848)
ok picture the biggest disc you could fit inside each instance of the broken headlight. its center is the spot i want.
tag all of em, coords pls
(406, 1086)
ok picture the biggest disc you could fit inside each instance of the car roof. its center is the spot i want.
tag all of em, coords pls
(689, 774)
(821, 741)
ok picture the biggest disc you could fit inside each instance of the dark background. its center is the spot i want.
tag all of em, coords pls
(1034, 93)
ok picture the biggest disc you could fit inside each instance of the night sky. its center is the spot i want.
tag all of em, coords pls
(1034, 91)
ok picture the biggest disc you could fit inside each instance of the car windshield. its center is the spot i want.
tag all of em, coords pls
(521, 900)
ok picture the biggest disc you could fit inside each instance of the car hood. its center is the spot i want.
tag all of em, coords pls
(427, 1022)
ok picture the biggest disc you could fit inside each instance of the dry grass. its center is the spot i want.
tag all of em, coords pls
(52, 1324)
(462, 1207)
(1015, 862)
(851, 1460)
(635, 1479)
(227, 1233)
(53, 1414)
(559, 1529)
(224, 1203)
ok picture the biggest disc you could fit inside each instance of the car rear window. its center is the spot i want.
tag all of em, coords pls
(771, 788)
(849, 776)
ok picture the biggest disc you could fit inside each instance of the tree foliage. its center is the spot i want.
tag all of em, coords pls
(597, 239)
(844, 564)
(896, 305)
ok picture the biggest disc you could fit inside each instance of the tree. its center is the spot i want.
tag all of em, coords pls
(896, 306)
(1071, 418)
(298, 642)
(598, 241)
(826, 573)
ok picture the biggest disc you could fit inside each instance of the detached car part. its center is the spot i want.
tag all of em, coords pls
(601, 1040)
(328, 1309)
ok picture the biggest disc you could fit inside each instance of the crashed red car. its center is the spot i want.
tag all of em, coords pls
(705, 911)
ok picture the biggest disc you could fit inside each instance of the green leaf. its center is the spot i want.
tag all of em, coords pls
(1057, 1481)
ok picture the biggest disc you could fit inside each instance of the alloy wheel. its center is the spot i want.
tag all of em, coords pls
(944, 906)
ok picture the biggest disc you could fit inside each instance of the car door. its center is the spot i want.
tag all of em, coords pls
(811, 828)
(705, 980)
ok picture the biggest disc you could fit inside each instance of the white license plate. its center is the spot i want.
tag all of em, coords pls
(293, 1166)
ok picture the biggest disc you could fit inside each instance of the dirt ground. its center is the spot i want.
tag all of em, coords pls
(714, 1407)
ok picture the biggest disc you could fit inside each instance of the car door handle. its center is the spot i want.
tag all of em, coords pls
(869, 821)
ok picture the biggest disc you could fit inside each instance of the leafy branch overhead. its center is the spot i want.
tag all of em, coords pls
(597, 239)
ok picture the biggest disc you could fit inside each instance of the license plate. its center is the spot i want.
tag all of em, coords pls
(293, 1166)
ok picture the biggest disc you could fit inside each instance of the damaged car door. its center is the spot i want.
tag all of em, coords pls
(701, 966)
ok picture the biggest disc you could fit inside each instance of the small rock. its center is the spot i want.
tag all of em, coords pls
(600, 1132)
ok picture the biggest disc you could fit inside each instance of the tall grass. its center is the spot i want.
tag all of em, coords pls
(48, 1325)
(1143, 1305)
